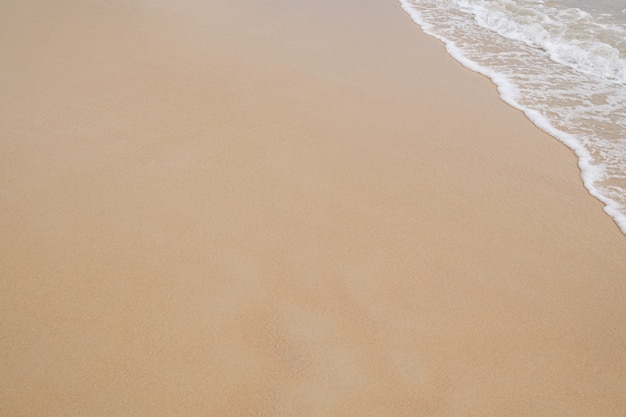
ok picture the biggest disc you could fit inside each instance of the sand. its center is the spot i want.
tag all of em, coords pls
(287, 208)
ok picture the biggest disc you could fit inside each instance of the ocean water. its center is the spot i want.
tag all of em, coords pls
(562, 62)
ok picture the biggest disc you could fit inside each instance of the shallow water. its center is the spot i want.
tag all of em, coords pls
(613, 9)
(561, 62)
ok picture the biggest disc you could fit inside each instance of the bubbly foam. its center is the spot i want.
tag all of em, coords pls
(564, 68)
(570, 36)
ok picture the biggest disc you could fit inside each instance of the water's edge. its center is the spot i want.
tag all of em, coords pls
(588, 171)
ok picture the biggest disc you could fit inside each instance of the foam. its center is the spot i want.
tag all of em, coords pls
(594, 172)
(570, 36)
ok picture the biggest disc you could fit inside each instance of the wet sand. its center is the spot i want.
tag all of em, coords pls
(287, 208)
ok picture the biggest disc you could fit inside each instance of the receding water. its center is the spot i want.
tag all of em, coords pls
(562, 62)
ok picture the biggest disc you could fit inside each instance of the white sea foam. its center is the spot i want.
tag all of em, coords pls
(564, 68)
(570, 36)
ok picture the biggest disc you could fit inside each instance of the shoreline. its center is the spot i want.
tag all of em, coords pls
(592, 174)
(288, 209)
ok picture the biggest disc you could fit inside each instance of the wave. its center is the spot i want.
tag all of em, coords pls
(561, 67)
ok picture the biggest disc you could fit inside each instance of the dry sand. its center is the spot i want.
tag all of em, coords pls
(287, 208)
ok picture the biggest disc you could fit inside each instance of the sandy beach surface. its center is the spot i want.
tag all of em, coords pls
(287, 208)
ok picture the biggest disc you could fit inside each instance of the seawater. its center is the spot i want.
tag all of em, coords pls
(562, 62)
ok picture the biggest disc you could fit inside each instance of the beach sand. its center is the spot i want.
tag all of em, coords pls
(287, 208)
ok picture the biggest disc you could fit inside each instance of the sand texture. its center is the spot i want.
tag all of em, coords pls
(287, 208)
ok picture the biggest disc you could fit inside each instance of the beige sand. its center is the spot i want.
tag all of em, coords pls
(287, 208)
